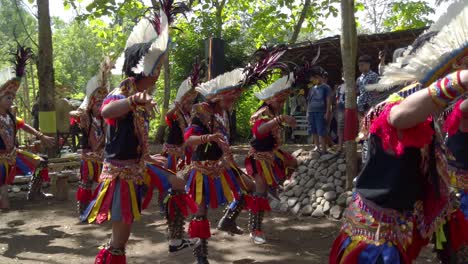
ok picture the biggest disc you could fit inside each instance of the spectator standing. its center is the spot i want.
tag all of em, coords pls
(364, 100)
(318, 108)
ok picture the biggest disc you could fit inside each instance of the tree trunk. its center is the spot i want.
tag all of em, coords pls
(219, 17)
(167, 96)
(160, 133)
(47, 117)
(297, 28)
(348, 55)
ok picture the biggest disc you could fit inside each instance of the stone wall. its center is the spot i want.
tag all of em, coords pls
(316, 188)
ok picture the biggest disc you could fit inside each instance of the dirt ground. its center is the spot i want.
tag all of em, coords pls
(49, 232)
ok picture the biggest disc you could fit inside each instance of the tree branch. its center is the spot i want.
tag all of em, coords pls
(298, 26)
(23, 24)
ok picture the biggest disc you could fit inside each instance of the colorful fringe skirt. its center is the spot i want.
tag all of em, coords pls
(119, 194)
(175, 157)
(269, 165)
(451, 239)
(214, 183)
(7, 168)
(90, 170)
(156, 176)
(372, 234)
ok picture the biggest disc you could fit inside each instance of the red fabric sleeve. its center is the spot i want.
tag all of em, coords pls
(192, 131)
(255, 127)
(19, 123)
(169, 119)
(416, 136)
(109, 99)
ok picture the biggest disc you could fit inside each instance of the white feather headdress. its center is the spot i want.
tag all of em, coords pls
(100, 80)
(184, 87)
(6, 75)
(146, 45)
(435, 57)
(225, 82)
(280, 85)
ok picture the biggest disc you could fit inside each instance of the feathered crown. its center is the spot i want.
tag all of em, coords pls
(265, 59)
(296, 78)
(149, 39)
(97, 87)
(282, 84)
(190, 83)
(436, 57)
(10, 83)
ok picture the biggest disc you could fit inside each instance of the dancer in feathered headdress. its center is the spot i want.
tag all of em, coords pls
(88, 116)
(401, 200)
(176, 203)
(266, 163)
(13, 160)
(213, 177)
(126, 111)
(177, 119)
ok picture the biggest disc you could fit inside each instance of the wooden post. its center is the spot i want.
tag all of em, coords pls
(348, 55)
(47, 117)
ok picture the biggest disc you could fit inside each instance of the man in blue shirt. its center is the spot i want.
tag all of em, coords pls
(318, 108)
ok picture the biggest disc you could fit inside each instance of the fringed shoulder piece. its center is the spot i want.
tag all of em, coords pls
(397, 140)
(452, 123)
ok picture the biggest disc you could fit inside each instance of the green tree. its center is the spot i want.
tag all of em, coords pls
(407, 15)
(390, 15)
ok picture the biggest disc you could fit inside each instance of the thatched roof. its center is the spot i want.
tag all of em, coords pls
(330, 52)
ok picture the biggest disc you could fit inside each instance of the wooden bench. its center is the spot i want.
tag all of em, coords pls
(301, 128)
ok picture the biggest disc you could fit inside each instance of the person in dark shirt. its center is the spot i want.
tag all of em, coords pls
(397, 181)
(126, 110)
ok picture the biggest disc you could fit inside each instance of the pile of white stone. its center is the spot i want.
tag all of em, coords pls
(317, 188)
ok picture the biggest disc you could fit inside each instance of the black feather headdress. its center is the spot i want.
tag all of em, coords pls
(264, 61)
(10, 84)
(20, 60)
(149, 40)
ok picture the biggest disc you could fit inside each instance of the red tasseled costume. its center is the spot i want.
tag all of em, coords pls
(45, 174)
(255, 127)
(452, 123)
(200, 229)
(83, 195)
(105, 257)
(182, 201)
(458, 229)
(417, 136)
(257, 204)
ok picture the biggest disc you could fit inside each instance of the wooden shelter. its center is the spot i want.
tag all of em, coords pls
(330, 53)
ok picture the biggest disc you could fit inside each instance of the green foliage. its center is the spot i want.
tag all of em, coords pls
(391, 15)
(17, 28)
(408, 14)
(103, 26)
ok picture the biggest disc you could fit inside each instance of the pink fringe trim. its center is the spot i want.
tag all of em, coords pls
(417, 136)
(452, 123)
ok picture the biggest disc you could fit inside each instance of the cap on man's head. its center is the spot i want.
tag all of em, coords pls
(365, 58)
(317, 71)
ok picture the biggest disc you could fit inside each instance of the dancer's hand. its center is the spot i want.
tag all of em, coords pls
(218, 138)
(144, 99)
(48, 141)
(290, 121)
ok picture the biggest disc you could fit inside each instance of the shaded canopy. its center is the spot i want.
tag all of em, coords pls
(330, 51)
